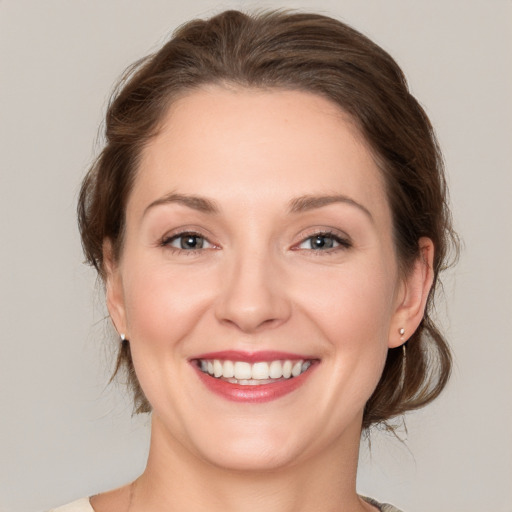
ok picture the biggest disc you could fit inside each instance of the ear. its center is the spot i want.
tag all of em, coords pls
(114, 288)
(412, 296)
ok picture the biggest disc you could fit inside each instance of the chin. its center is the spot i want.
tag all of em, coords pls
(251, 455)
(237, 443)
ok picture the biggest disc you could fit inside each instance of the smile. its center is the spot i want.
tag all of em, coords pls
(253, 377)
(253, 374)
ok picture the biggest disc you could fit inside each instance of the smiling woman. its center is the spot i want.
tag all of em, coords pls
(269, 218)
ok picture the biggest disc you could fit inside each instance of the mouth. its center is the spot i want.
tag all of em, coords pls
(259, 373)
(253, 378)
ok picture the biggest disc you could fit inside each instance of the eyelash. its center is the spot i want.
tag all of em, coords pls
(343, 243)
(167, 241)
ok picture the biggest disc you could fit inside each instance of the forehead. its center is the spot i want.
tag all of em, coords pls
(257, 146)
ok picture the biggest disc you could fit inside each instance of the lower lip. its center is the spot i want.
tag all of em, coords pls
(253, 394)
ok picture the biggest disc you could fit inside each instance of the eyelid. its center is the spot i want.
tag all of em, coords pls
(170, 236)
(344, 241)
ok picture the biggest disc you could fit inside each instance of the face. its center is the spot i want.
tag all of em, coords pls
(258, 282)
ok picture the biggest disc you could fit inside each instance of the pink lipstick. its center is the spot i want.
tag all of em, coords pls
(253, 377)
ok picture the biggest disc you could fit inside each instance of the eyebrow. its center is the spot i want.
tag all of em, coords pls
(297, 205)
(195, 202)
(305, 203)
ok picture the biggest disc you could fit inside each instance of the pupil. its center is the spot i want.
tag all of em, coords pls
(320, 242)
(191, 242)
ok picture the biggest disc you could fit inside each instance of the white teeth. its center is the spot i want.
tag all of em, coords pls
(242, 372)
(276, 370)
(297, 368)
(260, 371)
(248, 382)
(287, 369)
(229, 369)
(217, 368)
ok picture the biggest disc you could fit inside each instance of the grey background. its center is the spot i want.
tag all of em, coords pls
(64, 433)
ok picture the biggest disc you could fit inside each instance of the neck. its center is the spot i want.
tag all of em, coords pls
(176, 479)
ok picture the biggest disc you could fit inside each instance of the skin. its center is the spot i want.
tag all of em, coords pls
(257, 284)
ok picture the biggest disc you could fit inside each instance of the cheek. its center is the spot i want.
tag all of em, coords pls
(353, 305)
(164, 307)
(353, 309)
(164, 303)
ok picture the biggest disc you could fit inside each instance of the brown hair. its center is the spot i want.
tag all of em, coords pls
(305, 52)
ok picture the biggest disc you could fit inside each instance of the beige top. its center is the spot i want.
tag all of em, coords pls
(84, 505)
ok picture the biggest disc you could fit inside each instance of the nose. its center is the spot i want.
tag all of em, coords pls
(253, 294)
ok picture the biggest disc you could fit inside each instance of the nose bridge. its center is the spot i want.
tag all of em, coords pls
(252, 295)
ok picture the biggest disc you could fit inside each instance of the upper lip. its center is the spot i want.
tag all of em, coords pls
(252, 357)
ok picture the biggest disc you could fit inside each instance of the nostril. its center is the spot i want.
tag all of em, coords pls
(248, 324)
(250, 297)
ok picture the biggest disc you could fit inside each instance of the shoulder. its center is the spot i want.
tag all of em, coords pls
(82, 505)
(383, 507)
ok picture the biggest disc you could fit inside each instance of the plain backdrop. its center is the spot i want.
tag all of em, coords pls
(64, 433)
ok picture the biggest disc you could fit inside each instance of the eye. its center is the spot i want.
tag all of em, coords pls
(187, 242)
(324, 242)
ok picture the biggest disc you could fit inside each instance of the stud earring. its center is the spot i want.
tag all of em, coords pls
(401, 331)
(123, 337)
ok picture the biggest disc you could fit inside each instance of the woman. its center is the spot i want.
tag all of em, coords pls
(269, 218)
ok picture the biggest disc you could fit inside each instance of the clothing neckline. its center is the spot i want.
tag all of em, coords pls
(371, 501)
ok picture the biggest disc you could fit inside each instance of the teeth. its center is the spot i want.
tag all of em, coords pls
(305, 366)
(276, 370)
(287, 369)
(260, 371)
(297, 368)
(228, 369)
(248, 382)
(217, 368)
(241, 372)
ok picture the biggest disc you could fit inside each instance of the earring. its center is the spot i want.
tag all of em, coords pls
(123, 337)
(401, 331)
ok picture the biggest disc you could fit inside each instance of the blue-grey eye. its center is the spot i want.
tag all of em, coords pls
(191, 242)
(322, 242)
(187, 242)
